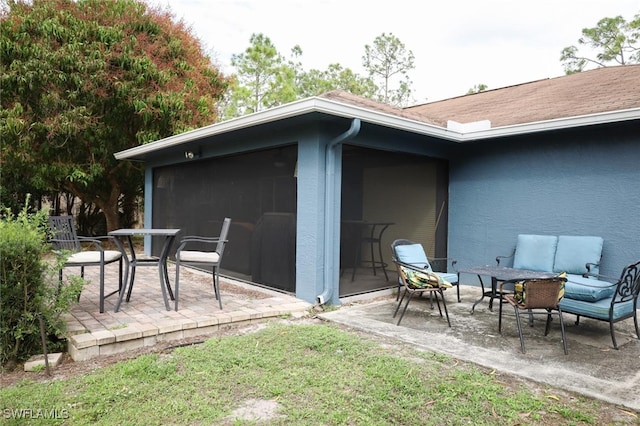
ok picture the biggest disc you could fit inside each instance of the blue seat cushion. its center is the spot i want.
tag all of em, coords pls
(413, 254)
(574, 252)
(599, 309)
(578, 287)
(535, 252)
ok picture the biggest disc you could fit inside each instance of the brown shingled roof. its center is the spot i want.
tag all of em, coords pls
(369, 104)
(588, 92)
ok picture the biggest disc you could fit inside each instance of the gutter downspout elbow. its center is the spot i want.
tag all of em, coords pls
(330, 208)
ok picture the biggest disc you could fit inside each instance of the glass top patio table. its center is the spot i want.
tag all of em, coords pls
(501, 274)
(161, 262)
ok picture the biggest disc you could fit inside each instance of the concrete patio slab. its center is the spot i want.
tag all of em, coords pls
(591, 368)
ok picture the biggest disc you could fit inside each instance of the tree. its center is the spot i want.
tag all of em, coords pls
(477, 89)
(614, 40)
(385, 59)
(264, 78)
(82, 79)
(315, 82)
(258, 69)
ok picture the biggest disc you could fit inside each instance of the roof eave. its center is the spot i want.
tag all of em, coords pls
(555, 124)
(305, 106)
(331, 107)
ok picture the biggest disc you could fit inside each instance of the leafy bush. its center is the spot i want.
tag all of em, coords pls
(29, 287)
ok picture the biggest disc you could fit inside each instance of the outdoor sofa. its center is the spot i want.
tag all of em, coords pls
(586, 293)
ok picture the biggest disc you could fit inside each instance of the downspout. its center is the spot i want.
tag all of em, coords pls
(330, 208)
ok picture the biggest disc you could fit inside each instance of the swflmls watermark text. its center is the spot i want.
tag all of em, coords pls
(35, 413)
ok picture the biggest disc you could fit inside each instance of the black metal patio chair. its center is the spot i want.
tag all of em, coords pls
(212, 258)
(66, 242)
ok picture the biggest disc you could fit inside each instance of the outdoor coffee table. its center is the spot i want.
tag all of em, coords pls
(161, 262)
(501, 274)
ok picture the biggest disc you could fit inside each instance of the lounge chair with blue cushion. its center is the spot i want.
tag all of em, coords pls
(413, 253)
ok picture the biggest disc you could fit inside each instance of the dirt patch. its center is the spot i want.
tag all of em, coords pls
(256, 410)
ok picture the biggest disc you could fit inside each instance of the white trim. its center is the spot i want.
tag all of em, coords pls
(555, 124)
(331, 107)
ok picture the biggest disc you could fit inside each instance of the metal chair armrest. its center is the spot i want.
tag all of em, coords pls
(96, 242)
(412, 266)
(590, 265)
(499, 258)
(453, 261)
(197, 239)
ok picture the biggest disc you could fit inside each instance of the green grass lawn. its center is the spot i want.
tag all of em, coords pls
(317, 374)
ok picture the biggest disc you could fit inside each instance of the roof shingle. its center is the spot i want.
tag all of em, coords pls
(588, 92)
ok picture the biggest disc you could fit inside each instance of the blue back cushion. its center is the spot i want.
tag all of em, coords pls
(574, 252)
(414, 255)
(535, 252)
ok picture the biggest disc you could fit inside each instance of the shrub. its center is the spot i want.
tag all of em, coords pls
(29, 287)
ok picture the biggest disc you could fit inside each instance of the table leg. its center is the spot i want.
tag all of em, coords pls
(164, 273)
(494, 290)
(481, 297)
(371, 241)
(162, 285)
(129, 267)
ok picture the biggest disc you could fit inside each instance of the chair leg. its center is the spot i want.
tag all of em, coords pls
(102, 288)
(176, 286)
(519, 329)
(405, 308)
(399, 303)
(635, 321)
(444, 304)
(216, 285)
(458, 288)
(500, 317)
(530, 318)
(548, 323)
(434, 295)
(613, 335)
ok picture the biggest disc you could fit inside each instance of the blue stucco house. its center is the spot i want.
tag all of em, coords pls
(463, 176)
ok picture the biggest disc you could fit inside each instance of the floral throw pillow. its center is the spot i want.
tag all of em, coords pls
(418, 280)
(520, 290)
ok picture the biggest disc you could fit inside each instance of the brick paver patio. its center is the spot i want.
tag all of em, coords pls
(144, 321)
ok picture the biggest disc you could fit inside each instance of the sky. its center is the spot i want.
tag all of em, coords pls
(457, 44)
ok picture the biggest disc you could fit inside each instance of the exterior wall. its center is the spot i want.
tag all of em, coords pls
(572, 183)
(578, 182)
